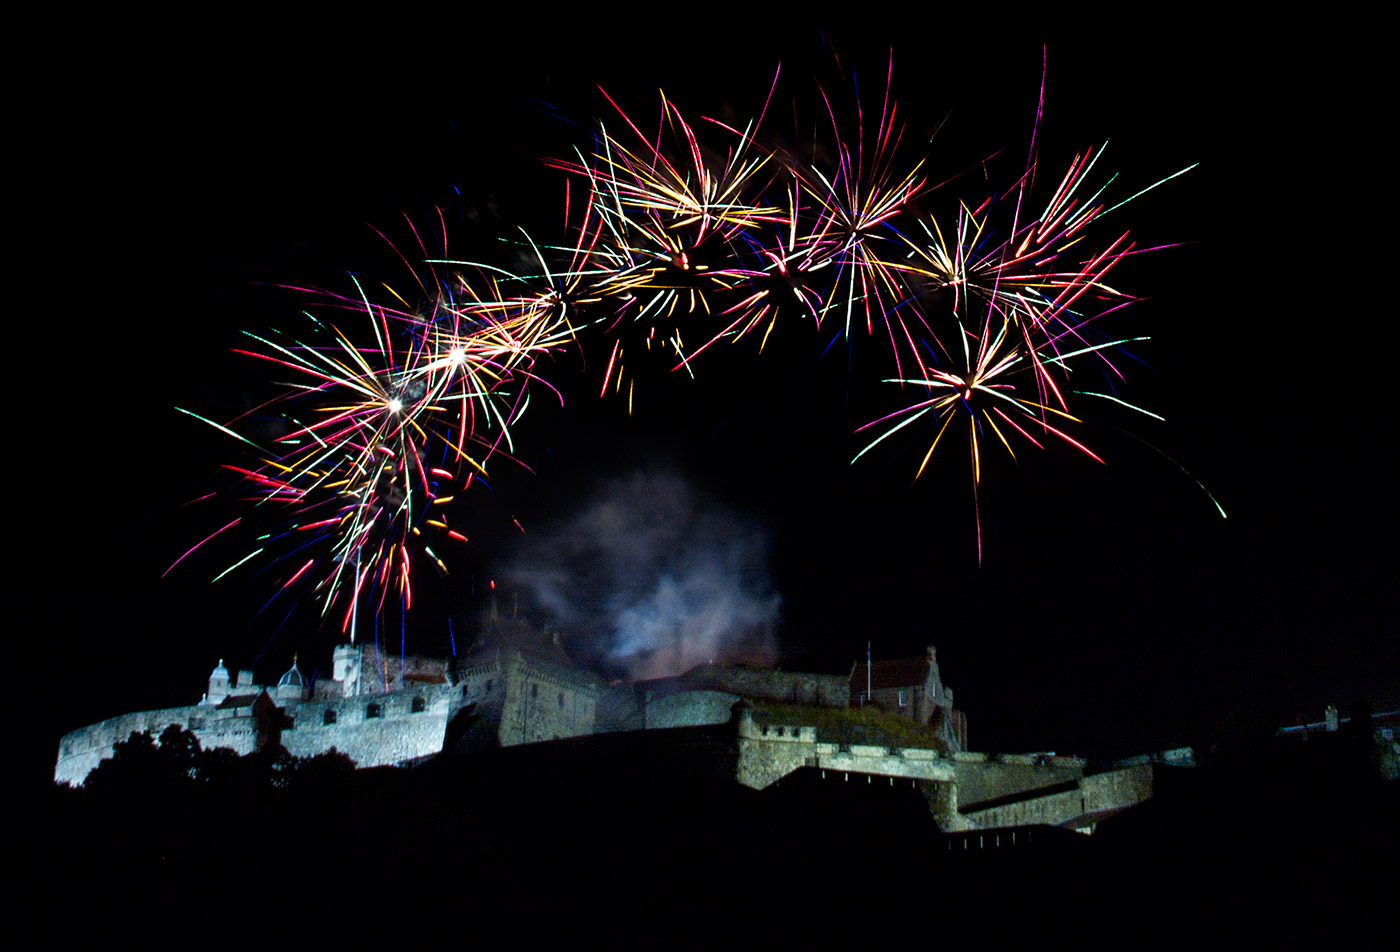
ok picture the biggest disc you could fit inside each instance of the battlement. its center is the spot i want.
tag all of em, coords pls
(382, 710)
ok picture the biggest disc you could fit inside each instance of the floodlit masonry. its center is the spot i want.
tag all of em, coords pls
(516, 686)
(377, 708)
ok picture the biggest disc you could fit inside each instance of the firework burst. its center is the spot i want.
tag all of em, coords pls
(377, 437)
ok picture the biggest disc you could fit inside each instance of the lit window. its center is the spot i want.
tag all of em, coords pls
(903, 698)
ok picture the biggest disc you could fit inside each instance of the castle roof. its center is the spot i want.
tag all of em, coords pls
(505, 635)
(292, 677)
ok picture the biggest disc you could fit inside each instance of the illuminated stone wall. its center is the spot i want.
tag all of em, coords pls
(542, 703)
(983, 777)
(1099, 794)
(372, 729)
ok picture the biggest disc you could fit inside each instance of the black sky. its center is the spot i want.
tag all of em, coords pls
(1114, 609)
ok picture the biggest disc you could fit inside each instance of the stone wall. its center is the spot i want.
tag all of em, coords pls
(409, 724)
(1098, 794)
(374, 730)
(800, 687)
(689, 709)
(542, 704)
(983, 777)
(770, 752)
(385, 671)
(826, 690)
(481, 684)
(80, 751)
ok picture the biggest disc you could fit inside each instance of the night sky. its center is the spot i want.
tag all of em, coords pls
(1114, 611)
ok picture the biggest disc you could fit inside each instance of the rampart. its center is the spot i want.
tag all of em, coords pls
(372, 729)
(1089, 800)
(984, 777)
(770, 752)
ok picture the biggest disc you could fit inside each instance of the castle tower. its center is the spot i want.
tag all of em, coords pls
(292, 686)
(345, 669)
(218, 685)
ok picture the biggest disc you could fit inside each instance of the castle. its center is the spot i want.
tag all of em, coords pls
(516, 686)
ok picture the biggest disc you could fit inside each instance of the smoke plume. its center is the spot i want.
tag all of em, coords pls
(653, 578)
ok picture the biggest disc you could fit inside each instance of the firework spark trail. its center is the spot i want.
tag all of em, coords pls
(351, 468)
(667, 229)
(695, 235)
(854, 205)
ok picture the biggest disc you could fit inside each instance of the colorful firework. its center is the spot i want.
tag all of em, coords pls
(680, 244)
(380, 437)
(666, 235)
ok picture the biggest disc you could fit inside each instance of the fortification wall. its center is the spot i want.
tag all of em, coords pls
(690, 709)
(388, 671)
(770, 752)
(983, 777)
(480, 684)
(81, 750)
(409, 724)
(827, 690)
(1100, 793)
(374, 730)
(541, 704)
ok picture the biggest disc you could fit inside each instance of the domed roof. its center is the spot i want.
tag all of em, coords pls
(293, 676)
(219, 672)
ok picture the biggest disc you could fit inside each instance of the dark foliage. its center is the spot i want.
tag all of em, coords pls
(177, 766)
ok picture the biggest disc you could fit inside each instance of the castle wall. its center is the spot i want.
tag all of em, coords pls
(983, 777)
(80, 751)
(480, 684)
(398, 733)
(542, 704)
(1097, 794)
(825, 690)
(690, 709)
(771, 752)
(386, 671)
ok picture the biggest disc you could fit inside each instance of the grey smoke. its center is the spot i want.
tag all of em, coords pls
(652, 576)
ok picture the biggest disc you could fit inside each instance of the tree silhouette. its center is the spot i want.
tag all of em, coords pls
(177, 765)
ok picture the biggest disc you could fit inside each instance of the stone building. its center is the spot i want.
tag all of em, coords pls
(516, 686)
(522, 688)
(401, 721)
(706, 694)
(912, 688)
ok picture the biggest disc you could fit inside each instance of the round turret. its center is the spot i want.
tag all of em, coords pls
(218, 685)
(292, 686)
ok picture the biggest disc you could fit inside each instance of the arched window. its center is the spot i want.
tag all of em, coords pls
(418, 706)
(329, 717)
(374, 710)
